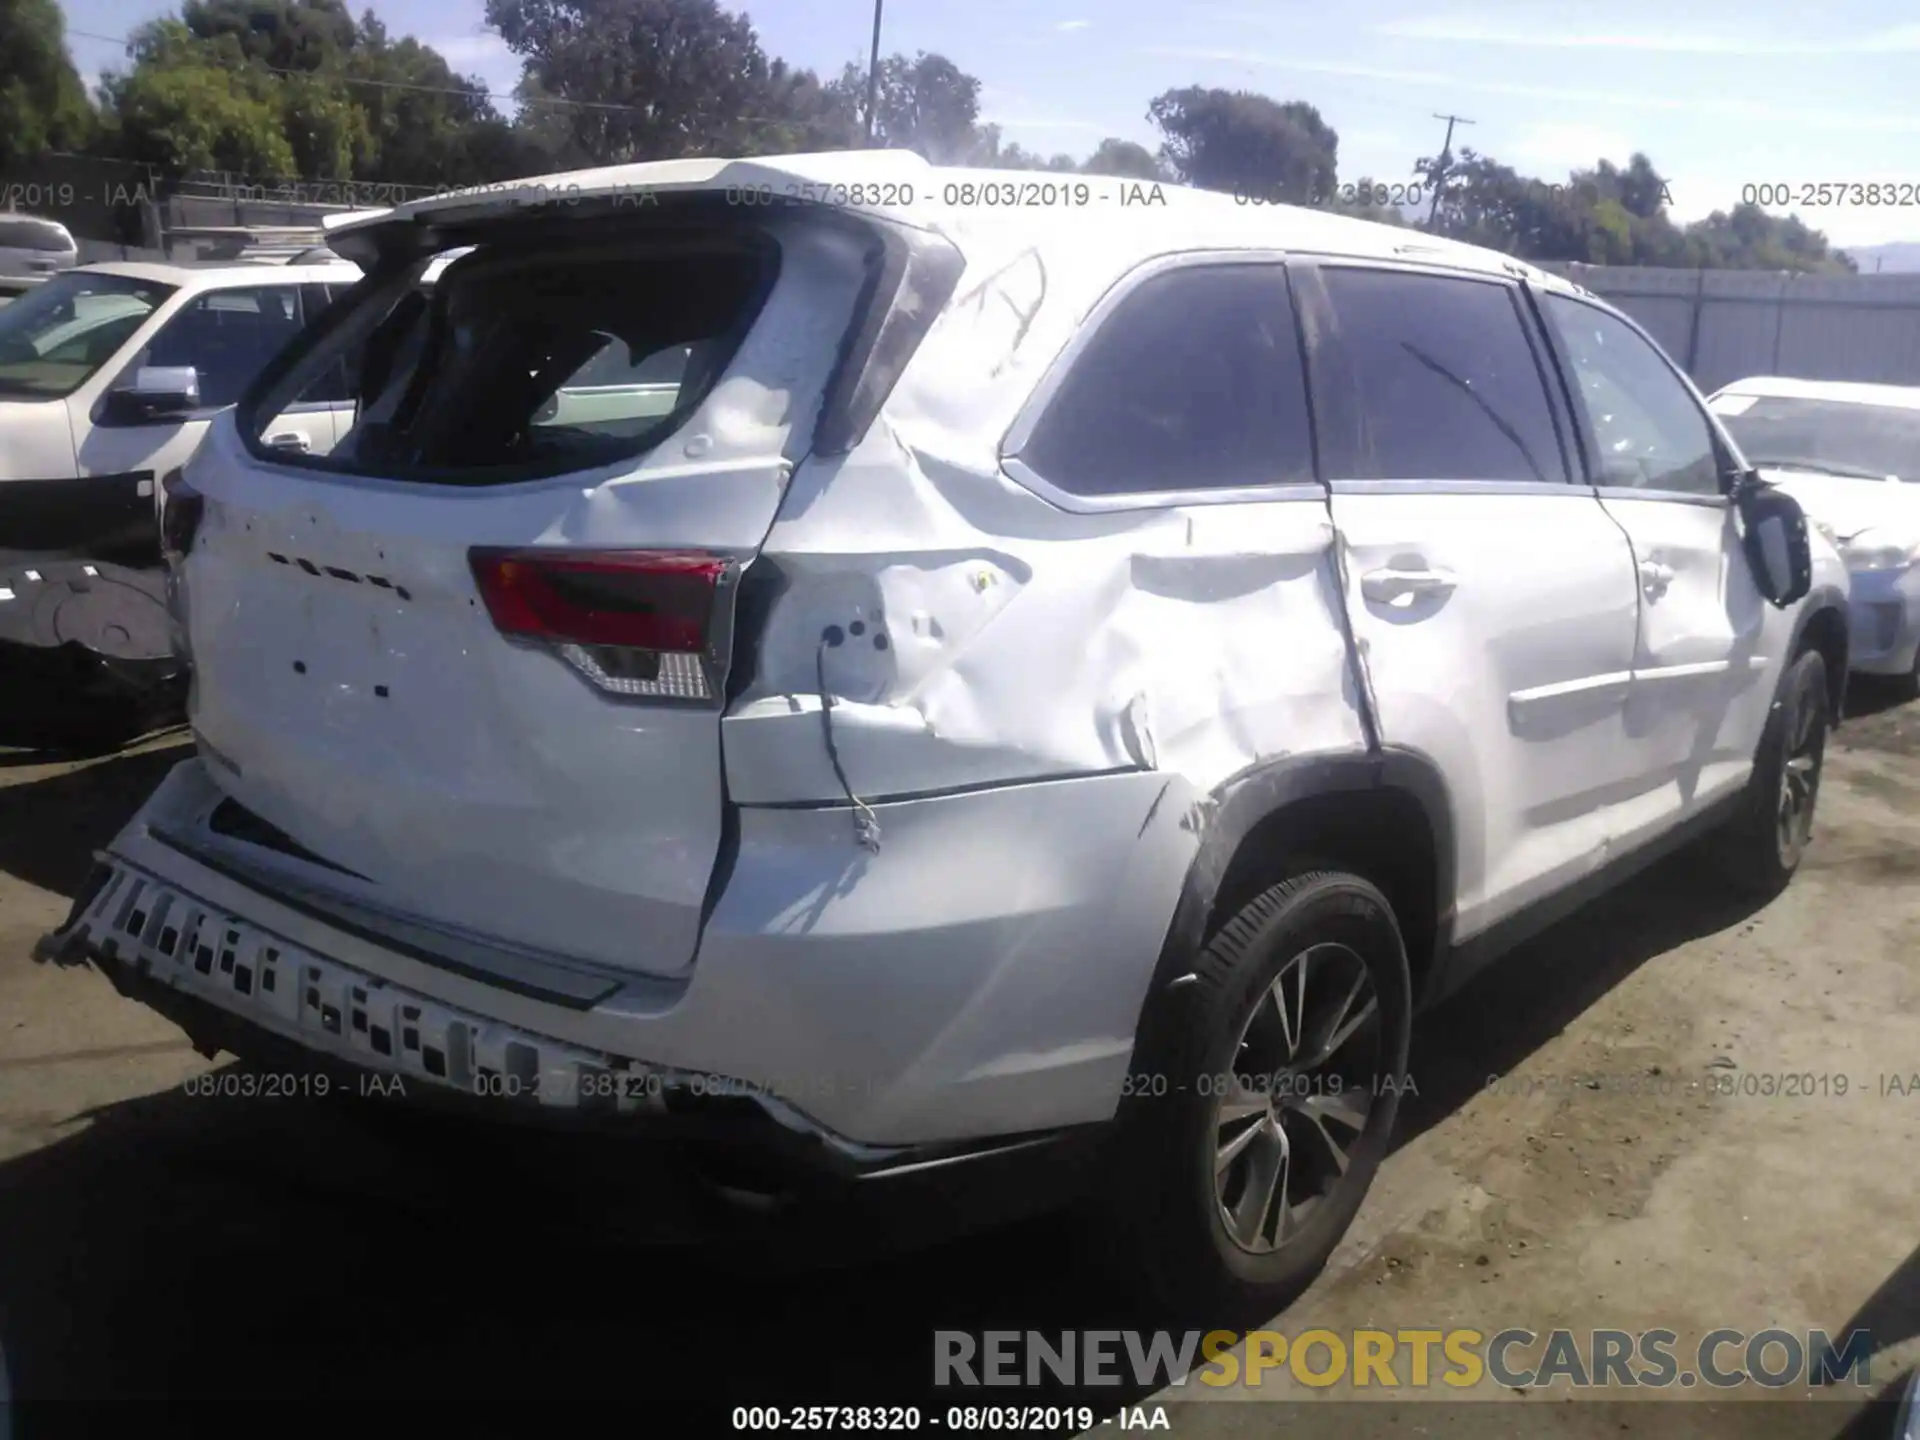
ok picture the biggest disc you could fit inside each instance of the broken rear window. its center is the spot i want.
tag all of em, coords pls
(539, 363)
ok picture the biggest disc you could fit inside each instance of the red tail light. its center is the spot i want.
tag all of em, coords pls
(181, 507)
(634, 622)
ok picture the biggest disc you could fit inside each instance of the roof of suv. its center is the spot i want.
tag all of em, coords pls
(222, 276)
(906, 188)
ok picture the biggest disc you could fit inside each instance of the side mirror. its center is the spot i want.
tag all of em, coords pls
(157, 392)
(1774, 534)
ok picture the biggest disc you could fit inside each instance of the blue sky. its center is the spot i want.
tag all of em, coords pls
(1720, 95)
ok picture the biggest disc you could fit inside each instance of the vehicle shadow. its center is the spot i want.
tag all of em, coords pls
(1874, 694)
(50, 827)
(1891, 1314)
(1531, 994)
(194, 1250)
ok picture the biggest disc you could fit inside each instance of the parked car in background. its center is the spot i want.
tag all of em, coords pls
(1850, 453)
(900, 696)
(109, 375)
(31, 249)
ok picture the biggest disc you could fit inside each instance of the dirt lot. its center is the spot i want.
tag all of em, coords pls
(157, 1244)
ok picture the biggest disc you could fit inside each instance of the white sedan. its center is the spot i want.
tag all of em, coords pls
(1850, 454)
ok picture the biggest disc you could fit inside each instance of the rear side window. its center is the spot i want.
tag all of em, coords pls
(228, 336)
(1193, 382)
(1448, 385)
(548, 363)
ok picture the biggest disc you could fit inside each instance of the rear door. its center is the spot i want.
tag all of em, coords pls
(227, 335)
(1491, 596)
(1698, 700)
(475, 660)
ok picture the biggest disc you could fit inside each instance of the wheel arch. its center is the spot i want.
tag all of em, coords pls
(1386, 815)
(1822, 625)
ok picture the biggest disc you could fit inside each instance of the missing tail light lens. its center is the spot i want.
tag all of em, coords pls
(181, 510)
(646, 623)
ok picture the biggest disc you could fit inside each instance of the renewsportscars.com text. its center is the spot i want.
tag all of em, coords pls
(1514, 1357)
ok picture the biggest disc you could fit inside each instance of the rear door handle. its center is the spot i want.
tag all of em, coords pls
(1655, 577)
(289, 440)
(1394, 587)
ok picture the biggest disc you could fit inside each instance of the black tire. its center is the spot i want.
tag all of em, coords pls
(1162, 1202)
(1759, 849)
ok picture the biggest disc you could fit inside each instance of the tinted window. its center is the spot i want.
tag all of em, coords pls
(228, 336)
(1651, 433)
(1193, 382)
(1449, 387)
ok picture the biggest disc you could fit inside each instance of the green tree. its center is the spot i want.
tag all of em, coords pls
(426, 125)
(346, 100)
(801, 114)
(650, 79)
(988, 153)
(1240, 141)
(1612, 216)
(1748, 238)
(179, 110)
(1125, 160)
(286, 35)
(1370, 202)
(926, 104)
(43, 105)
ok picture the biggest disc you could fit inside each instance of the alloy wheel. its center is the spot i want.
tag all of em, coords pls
(1799, 778)
(1302, 1085)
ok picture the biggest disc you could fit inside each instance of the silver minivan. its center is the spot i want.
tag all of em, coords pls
(32, 249)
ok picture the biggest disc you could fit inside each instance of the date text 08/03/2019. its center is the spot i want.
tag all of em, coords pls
(956, 1419)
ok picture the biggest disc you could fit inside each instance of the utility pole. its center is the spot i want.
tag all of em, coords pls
(1445, 163)
(873, 72)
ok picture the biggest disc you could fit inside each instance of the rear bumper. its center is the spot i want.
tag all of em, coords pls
(1884, 606)
(980, 977)
(759, 1164)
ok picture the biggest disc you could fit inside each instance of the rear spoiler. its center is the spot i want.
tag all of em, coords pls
(911, 277)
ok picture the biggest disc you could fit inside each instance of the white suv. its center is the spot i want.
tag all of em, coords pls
(965, 685)
(109, 375)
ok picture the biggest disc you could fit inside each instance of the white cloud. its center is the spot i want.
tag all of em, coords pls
(1730, 41)
(1066, 25)
(459, 50)
(1569, 146)
(1560, 95)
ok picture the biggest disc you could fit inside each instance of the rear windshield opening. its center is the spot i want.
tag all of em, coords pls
(515, 366)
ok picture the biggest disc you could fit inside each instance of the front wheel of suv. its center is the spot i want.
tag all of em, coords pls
(1256, 1121)
(1761, 846)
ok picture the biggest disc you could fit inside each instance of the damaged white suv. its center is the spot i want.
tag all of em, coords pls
(897, 690)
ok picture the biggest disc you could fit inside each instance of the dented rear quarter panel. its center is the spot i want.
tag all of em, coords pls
(969, 632)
